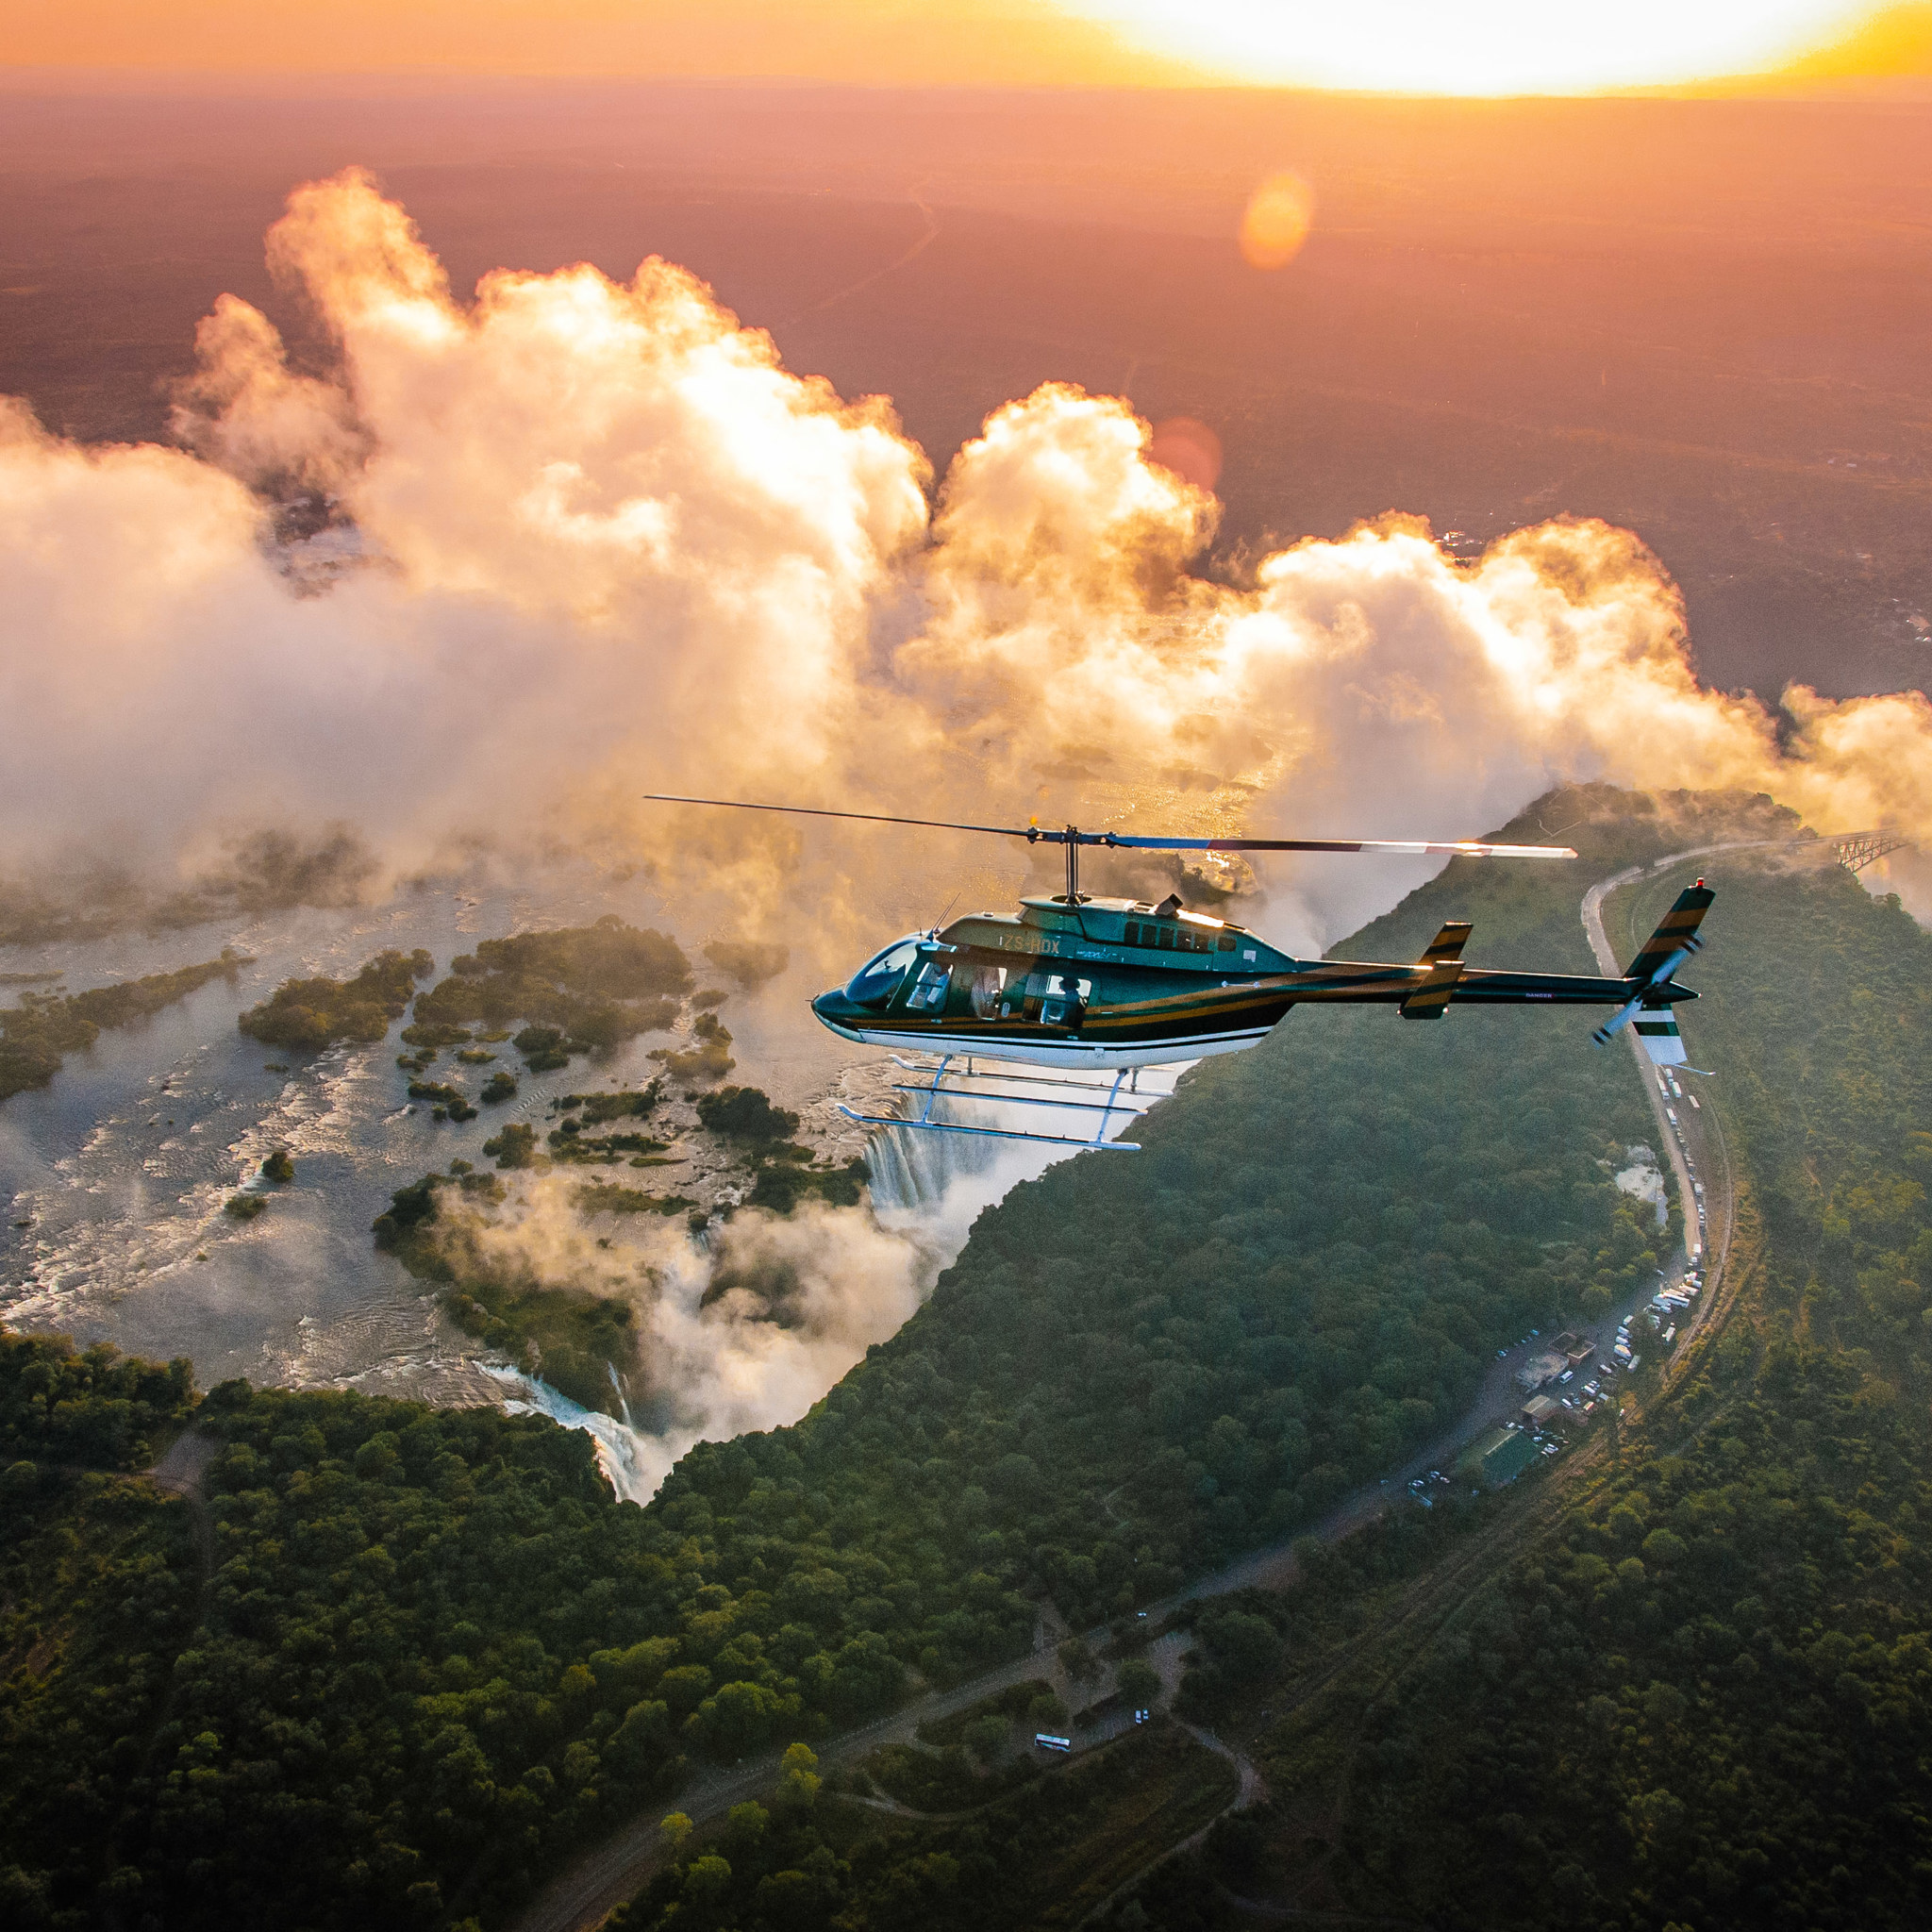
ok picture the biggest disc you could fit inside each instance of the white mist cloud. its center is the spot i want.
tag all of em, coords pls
(589, 539)
(745, 1334)
(571, 540)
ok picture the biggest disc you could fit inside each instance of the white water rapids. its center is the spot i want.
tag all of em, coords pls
(114, 1177)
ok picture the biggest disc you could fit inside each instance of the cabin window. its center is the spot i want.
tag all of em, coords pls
(1224, 942)
(1064, 1003)
(987, 983)
(876, 982)
(928, 992)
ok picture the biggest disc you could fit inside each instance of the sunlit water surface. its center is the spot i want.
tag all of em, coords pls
(114, 1178)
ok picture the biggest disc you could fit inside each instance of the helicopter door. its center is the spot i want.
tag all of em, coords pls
(928, 994)
(986, 985)
(1063, 1000)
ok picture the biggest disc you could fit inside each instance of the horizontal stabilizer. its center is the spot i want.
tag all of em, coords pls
(1674, 941)
(1658, 1030)
(1441, 967)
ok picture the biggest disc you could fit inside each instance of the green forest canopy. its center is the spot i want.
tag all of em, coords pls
(1701, 1699)
(305, 1015)
(581, 990)
(434, 1640)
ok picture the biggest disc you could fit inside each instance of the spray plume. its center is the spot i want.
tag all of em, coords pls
(572, 533)
(518, 559)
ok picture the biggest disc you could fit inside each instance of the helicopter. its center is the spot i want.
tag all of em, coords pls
(1083, 985)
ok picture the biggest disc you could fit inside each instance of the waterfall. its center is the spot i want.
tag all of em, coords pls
(620, 1450)
(910, 1171)
(622, 1402)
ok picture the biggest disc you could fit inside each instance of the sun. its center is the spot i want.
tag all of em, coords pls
(1475, 46)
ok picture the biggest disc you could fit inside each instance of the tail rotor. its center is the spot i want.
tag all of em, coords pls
(1650, 977)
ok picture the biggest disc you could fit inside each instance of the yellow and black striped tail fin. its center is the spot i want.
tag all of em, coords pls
(1441, 967)
(1676, 940)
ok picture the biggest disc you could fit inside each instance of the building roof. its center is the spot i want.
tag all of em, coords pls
(1500, 1456)
(1540, 1369)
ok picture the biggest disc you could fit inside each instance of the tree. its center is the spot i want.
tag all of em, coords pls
(1138, 1681)
(985, 1736)
(1077, 1660)
(798, 1779)
(746, 1113)
(707, 1878)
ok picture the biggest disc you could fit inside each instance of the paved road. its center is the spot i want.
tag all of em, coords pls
(1695, 1143)
(581, 1896)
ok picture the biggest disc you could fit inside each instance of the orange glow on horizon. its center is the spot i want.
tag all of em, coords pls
(1480, 47)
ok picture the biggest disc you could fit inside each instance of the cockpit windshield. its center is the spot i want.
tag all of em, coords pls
(876, 982)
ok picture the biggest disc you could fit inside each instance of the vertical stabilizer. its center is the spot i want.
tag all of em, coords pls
(1675, 939)
(1661, 1042)
(1441, 967)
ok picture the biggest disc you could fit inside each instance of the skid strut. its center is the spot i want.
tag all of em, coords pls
(1131, 1105)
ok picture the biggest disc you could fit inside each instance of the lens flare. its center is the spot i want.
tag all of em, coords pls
(1189, 449)
(1277, 220)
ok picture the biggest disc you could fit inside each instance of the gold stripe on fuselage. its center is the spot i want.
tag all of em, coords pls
(1221, 1006)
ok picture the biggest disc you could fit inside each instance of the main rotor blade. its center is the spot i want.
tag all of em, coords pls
(875, 818)
(1459, 848)
(1043, 835)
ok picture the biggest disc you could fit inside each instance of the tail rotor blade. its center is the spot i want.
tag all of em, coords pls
(1611, 1027)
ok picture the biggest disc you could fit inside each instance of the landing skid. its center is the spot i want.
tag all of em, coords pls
(1131, 1105)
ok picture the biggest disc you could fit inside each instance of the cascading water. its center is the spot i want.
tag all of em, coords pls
(620, 1451)
(117, 1173)
(912, 1172)
(909, 1170)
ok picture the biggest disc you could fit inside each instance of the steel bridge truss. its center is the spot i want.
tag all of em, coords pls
(1855, 850)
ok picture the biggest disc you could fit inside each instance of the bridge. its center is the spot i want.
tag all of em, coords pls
(1855, 850)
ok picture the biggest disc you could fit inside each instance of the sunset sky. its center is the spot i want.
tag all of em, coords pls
(1475, 47)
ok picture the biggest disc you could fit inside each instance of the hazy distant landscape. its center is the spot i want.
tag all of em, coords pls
(1700, 320)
